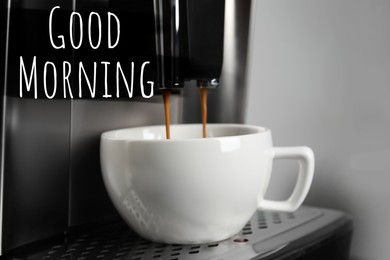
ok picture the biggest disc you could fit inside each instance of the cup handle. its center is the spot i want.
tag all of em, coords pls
(305, 157)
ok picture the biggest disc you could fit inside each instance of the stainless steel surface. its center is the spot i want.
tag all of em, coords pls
(168, 37)
(226, 103)
(189, 40)
(35, 139)
(36, 170)
(212, 83)
(227, 106)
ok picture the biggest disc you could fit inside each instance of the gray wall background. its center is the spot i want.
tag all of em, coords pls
(320, 76)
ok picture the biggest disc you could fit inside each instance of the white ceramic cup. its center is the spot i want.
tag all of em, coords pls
(191, 189)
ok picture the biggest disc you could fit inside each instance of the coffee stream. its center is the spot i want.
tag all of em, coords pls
(166, 95)
(203, 99)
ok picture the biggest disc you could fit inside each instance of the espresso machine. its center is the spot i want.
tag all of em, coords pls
(62, 87)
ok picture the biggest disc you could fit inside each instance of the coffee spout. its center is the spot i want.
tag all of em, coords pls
(211, 83)
(170, 48)
(189, 42)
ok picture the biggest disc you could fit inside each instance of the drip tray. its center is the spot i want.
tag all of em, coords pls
(266, 234)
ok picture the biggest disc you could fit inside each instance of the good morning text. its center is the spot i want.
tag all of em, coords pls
(85, 33)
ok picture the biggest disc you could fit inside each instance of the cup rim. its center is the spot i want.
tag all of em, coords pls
(115, 134)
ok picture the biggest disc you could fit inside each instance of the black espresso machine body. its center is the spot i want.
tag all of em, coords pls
(64, 65)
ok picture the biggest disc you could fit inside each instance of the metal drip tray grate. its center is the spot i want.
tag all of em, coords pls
(121, 243)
